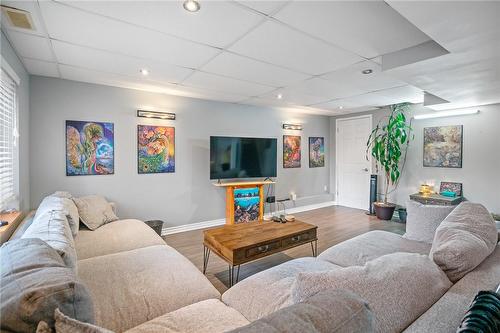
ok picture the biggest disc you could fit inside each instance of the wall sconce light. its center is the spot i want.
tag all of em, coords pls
(294, 127)
(155, 114)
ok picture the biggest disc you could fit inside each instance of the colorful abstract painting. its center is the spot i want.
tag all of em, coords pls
(246, 204)
(291, 151)
(443, 146)
(316, 152)
(89, 148)
(155, 149)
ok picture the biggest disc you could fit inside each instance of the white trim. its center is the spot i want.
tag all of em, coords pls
(7, 68)
(369, 116)
(213, 223)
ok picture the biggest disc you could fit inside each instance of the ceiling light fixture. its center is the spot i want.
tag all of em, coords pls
(155, 114)
(279, 96)
(294, 127)
(144, 71)
(341, 107)
(191, 6)
(367, 71)
(445, 114)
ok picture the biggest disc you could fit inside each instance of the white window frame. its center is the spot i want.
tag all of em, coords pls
(14, 203)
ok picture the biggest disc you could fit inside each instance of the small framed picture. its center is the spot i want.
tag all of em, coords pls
(451, 187)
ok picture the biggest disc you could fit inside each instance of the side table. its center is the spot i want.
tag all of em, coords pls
(436, 199)
(156, 225)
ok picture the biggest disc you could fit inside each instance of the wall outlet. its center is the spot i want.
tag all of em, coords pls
(293, 196)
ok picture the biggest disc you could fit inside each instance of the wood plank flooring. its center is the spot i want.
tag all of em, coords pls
(335, 224)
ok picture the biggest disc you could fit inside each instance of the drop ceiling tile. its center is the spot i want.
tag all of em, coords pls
(243, 68)
(326, 89)
(225, 84)
(290, 96)
(218, 23)
(32, 8)
(353, 76)
(41, 68)
(79, 27)
(368, 28)
(402, 94)
(104, 61)
(31, 46)
(265, 7)
(274, 43)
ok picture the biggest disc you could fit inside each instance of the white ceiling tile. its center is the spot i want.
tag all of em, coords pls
(265, 7)
(326, 89)
(29, 6)
(290, 96)
(85, 57)
(41, 68)
(225, 84)
(31, 46)
(218, 23)
(401, 94)
(277, 44)
(368, 28)
(243, 68)
(75, 26)
(353, 76)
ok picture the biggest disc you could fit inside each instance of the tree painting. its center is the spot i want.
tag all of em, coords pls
(291, 151)
(155, 149)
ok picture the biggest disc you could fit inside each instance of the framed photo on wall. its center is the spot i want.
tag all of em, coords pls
(291, 151)
(90, 148)
(155, 149)
(316, 152)
(443, 146)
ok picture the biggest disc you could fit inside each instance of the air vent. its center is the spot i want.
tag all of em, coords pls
(18, 18)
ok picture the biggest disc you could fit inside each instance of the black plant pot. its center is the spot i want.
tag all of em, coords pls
(384, 211)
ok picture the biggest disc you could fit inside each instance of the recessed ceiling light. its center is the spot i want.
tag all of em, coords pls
(367, 71)
(341, 107)
(279, 96)
(144, 71)
(191, 6)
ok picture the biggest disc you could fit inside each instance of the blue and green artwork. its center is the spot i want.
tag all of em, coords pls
(246, 204)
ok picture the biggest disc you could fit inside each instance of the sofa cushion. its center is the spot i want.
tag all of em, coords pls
(66, 324)
(270, 290)
(398, 287)
(114, 237)
(66, 205)
(34, 282)
(423, 220)
(458, 298)
(329, 311)
(52, 227)
(464, 239)
(95, 211)
(359, 250)
(206, 316)
(132, 287)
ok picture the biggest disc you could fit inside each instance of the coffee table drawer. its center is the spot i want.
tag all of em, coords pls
(264, 248)
(300, 238)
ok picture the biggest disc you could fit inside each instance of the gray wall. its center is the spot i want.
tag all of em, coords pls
(23, 121)
(183, 197)
(480, 172)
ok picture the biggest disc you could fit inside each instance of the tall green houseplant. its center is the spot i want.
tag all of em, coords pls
(388, 144)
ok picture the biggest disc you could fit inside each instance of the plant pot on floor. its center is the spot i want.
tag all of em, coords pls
(384, 211)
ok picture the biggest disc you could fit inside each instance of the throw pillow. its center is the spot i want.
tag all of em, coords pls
(95, 211)
(398, 287)
(34, 282)
(65, 324)
(463, 240)
(423, 220)
(53, 202)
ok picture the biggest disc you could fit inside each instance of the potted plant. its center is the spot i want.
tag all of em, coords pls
(388, 144)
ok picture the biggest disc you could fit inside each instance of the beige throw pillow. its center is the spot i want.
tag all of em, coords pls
(463, 240)
(63, 204)
(423, 220)
(398, 287)
(94, 211)
(65, 324)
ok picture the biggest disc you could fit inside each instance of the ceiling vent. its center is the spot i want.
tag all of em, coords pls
(18, 18)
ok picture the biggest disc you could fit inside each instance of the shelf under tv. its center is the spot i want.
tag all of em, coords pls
(245, 183)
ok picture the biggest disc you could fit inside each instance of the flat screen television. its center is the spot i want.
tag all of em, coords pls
(233, 157)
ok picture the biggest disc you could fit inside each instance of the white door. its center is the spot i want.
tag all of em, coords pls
(352, 169)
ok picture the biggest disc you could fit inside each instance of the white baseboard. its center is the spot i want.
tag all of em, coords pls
(213, 223)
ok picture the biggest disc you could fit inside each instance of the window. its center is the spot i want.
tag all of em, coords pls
(8, 139)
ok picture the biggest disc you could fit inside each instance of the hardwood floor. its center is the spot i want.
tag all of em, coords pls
(335, 224)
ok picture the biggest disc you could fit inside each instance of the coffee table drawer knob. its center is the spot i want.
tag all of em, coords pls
(264, 248)
(296, 238)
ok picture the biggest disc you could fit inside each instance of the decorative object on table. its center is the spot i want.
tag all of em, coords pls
(291, 151)
(436, 199)
(455, 188)
(89, 148)
(246, 204)
(388, 144)
(156, 225)
(426, 189)
(443, 146)
(316, 152)
(155, 149)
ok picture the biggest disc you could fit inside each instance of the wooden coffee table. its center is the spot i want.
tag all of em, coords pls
(241, 243)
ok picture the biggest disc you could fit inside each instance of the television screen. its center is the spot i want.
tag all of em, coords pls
(232, 157)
